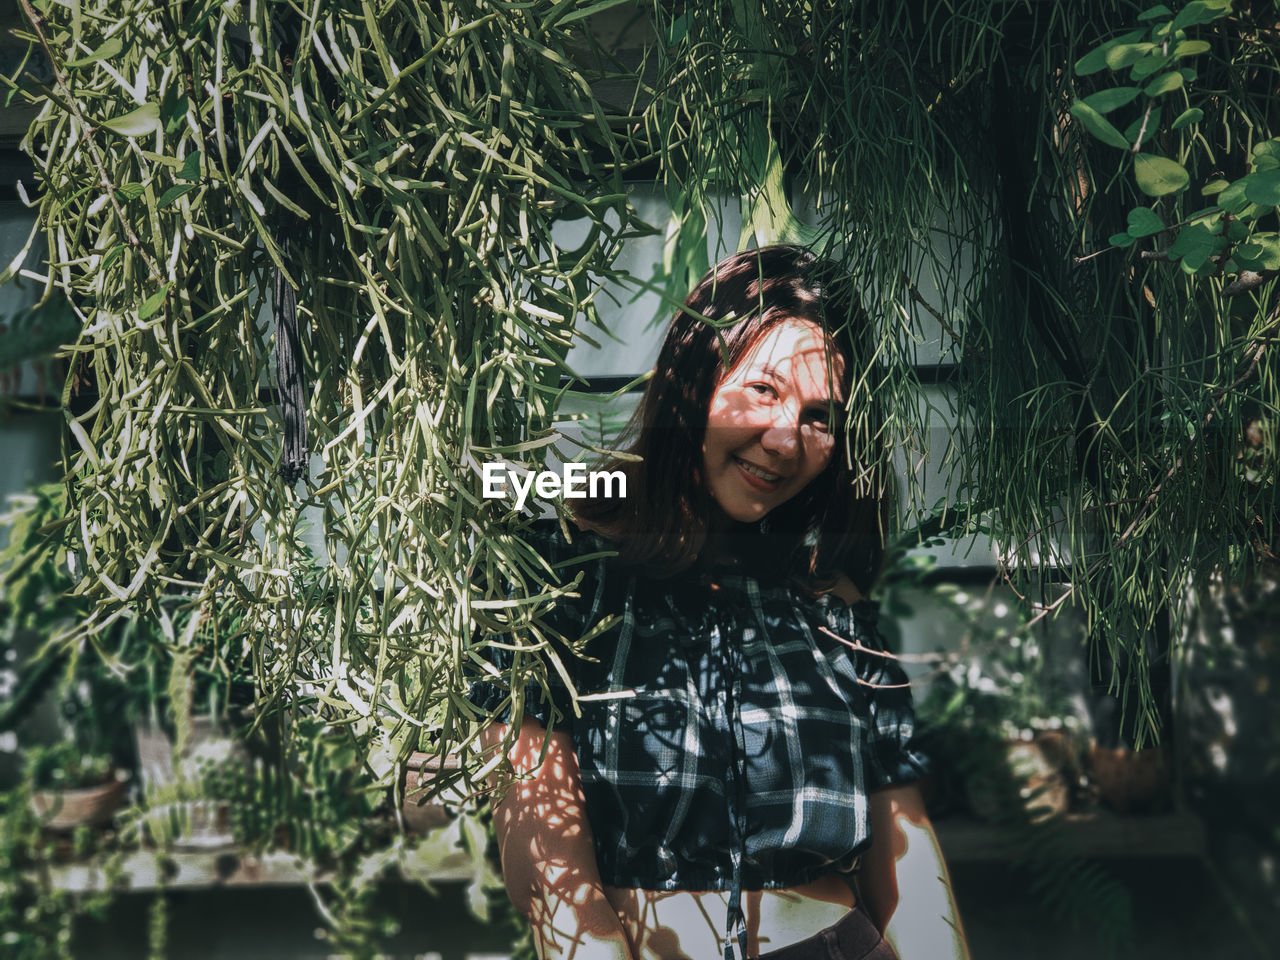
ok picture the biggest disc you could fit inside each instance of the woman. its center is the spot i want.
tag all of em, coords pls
(742, 755)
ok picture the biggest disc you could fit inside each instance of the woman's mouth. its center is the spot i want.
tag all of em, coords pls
(756, 477)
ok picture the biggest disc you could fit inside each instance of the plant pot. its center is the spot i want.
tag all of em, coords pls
(68, 809)
(1037, 769)
(420, 814)
(1131, 781)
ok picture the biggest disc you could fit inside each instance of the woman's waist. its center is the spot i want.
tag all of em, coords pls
(691, 923)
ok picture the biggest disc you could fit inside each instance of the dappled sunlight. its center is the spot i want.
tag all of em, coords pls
(770, 424)
(547, 851)
(689, 925)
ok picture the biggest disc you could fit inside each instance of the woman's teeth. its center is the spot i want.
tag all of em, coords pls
(756, 471)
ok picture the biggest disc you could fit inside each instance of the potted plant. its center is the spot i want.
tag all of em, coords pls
(999, 718)
(71, 787)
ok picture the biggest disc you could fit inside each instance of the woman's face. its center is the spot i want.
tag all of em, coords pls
(768, 433)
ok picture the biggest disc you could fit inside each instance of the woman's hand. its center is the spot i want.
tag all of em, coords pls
(548, 855)
(904, 882)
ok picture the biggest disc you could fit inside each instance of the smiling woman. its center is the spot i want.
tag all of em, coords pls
(768, 431)
(739, 778)
(753, 381)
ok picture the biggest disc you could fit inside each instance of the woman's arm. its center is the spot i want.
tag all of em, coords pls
(548, 855)
(903, 880)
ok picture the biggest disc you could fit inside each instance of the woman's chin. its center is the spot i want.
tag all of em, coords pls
(747, 513)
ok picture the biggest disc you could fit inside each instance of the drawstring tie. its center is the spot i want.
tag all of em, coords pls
(735, 920)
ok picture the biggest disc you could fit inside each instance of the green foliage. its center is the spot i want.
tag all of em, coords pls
(1202, 242)
(33, 563)
(37, 918)
(965, 726)
(401, 170)
(157, 927)
(65, 766)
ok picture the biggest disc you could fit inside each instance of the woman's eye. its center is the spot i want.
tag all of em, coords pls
(820, 419)
(763, 390)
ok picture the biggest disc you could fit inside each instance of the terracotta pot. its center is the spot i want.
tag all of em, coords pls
(85, 805)
(420, 814)
(1131, 781)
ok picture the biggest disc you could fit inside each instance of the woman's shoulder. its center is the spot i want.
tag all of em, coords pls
(846, 590)
(846, 613)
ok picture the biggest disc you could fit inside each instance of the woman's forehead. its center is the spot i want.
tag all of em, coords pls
(796, 351)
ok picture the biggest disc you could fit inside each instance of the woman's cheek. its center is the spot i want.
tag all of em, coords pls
(820, 444)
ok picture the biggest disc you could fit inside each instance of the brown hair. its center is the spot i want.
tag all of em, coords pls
(836, 523)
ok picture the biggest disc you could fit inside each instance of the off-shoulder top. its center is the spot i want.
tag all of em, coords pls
(730, 730)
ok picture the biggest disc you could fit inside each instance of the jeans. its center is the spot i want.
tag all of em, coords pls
(853, 937)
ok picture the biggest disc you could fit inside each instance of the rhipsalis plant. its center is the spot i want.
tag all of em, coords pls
(311, 253)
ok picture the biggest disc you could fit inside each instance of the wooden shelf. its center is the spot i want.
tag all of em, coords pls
(964, 840)
(229, 867)
(1100, 834)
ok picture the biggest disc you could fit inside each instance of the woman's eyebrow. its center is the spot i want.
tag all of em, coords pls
(774, 372)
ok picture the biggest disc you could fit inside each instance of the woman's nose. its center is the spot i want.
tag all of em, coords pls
(782, 436)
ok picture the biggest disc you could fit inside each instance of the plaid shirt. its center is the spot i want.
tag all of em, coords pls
(730, 730)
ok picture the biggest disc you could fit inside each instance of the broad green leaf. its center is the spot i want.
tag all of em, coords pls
(1196, 239)
(1200, 11)
(111, 47)
(1149, 66)
(1214, 186)
(1266, 155)
(129, 191)
(1237, 231)
(1098, 125)
(174, 110)
(1191, 48)
(190, 167)
(173, 193)
(1187, 117)
(1194, 259)
(1143, 222)
(1197, 262)
(1127, 54)
(1159, 176)
(136, 123)
(1232, 198)
(1263, 188)
(1096, 59)
(1188, 75)
(1104, 101)
(1151, 13)
(1120, 240)
(153, 302)
(1152, 125)
(1165, 83)
(1260, 252)
(1210, 217)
